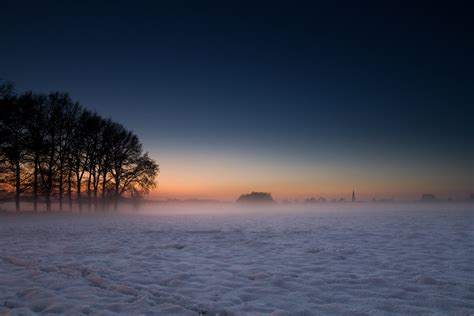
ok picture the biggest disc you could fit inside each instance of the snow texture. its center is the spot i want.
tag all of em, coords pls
(307, 262)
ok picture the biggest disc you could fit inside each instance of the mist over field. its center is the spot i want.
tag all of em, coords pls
(226, 259)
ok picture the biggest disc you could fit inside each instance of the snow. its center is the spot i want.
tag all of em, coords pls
(344, 261)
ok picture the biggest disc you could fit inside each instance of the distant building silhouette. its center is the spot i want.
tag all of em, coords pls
(428, 197)
(256, 197)
(353, 196)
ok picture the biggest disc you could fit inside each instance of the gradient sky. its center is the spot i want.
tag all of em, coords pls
(299, 100)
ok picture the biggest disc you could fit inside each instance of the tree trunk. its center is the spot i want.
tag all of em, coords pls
(104, 182)
(69, 188)
(89, 191)
(61, 187)
(17, 185)
(96, 187)
(116, 197)
(35, 184)
(49, 189)
(78, 190)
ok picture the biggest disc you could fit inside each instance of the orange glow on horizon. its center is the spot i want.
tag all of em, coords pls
(225, 176)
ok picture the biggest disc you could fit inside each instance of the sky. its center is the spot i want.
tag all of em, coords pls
(297, 99)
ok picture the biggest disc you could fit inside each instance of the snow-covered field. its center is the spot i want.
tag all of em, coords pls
(341, 261)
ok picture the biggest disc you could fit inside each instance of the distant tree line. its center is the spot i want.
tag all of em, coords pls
(52, 148)
(256, 197)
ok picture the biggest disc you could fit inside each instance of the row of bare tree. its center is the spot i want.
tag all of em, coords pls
(53, 148)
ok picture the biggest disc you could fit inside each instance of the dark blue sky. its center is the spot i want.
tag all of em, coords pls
(359, 84)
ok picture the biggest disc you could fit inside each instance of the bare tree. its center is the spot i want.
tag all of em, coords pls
(35, 143)
(12, 138)
(138, 176)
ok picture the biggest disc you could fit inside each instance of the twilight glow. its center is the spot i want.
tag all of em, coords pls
(294, 104)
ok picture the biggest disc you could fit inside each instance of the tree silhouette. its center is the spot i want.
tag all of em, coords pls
(12, 138)
(52, 147)
(35, 137)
